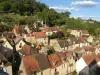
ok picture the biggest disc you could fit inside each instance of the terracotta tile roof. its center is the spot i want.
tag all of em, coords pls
(91, 58)
(81, 39)
(69, 30)
(85, 31)
(54, 60)
(42, 61)
(46, 29)
(77, 49)
(78, 40)
(68, 54)
(18, 29)
(49, 29)
(28, 50)
(31, 64)
(29, 35)
(89, 48)
(97, 46)
(39, 34)
(55, 28)
(61, 55)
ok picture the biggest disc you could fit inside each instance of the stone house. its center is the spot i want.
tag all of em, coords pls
(88, 63)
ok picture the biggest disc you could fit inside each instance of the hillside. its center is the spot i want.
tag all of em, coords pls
(28, 11)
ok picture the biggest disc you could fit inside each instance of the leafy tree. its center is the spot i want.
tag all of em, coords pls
(51, 50)
(6, 6)
(97, 31)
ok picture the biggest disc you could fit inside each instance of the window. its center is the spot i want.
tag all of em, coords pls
(20, 46)
(34, 73)
(41, 73)
(64, 65)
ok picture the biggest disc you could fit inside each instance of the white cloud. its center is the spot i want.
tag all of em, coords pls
(63, 8)
(86, 16)
(85, 3)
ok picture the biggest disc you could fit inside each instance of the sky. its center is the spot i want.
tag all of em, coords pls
(85, 9)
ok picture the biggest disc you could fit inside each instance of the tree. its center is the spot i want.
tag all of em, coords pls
(51, 50)
(66, 14)
(97, 31)
(6, 6)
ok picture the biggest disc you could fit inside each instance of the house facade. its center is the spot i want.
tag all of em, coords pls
(50, 30)
(7, 44)
(5, 65)
(88, 63)
(20, 44)
(41, 37)
(30, 38)
(21, 30)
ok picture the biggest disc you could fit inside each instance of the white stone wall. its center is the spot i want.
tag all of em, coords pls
(8, 69)
(22, 68)
(43, 40)
(49, 33)
(27, 28)
(81, 66)
(46, 72)
(90, 39)
(57, 47)
(7, 44)
(18, 45)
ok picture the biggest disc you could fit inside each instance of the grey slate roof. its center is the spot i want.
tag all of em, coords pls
(65, 43)
(6, 52)
(43, 61)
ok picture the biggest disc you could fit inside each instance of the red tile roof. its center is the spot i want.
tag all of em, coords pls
(81, 39)
(39, 34)
(85, 32)
(48, 29)
(18, 29)
(27, 49)
(61, 55)
(31, 64)
(91, 58)
(55, 28)
(89, 48)
(68, 54)
(54, 60)
(29, 35)
(77, 49)
(69, 30)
